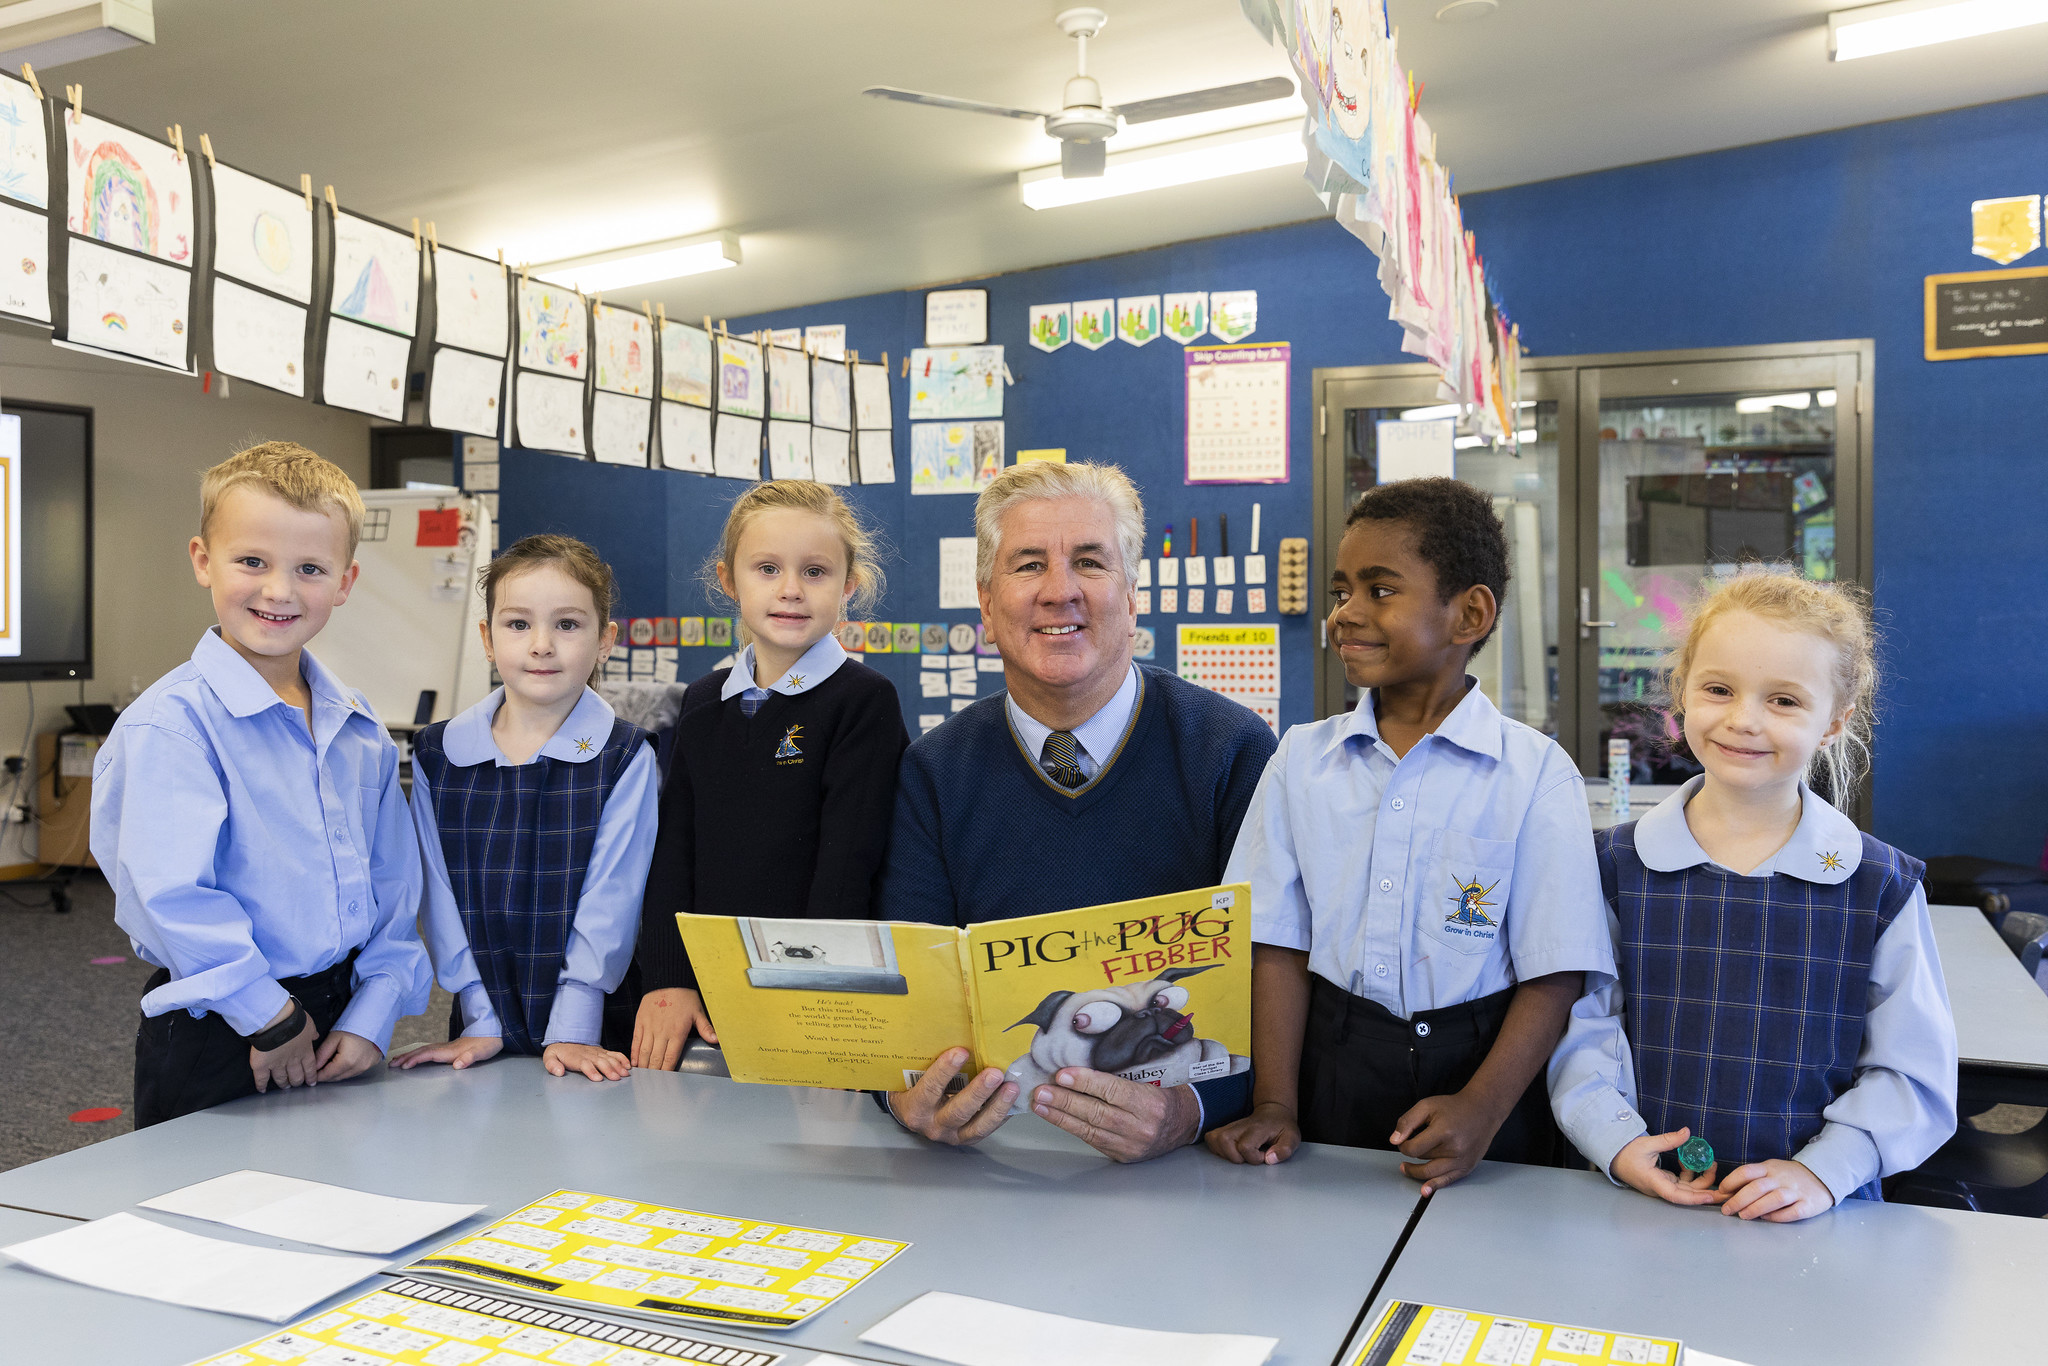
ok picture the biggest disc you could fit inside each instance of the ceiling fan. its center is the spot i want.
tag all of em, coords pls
(1084, 123)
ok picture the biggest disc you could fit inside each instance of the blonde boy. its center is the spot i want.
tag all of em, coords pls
(247, 811)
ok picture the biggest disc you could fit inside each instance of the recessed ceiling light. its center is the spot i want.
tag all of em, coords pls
(645, 264)
(1172, 163)
(1465, 11)
(1872, 30)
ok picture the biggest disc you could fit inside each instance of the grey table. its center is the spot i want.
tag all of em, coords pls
(57, 1323)
(1032, 1217)
(1863, 1284)
(2001, 1013)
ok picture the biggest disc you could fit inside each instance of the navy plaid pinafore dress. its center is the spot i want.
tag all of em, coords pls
(517, 840)
(1746, 996)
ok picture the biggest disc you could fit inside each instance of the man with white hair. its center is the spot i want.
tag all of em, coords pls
(1092, 779)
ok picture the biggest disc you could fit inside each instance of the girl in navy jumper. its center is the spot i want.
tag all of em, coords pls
(536, 812)
(783, 780)
(1780, 997)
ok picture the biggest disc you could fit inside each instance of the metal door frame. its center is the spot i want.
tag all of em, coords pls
(1577, 384)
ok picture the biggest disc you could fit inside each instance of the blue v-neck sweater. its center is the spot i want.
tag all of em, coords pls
(981, 833)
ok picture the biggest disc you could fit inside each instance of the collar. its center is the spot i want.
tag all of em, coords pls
(819, 663)
(243, 692)
(1098, 734)
(1824, 849)
(1474, 724)
(468, 741)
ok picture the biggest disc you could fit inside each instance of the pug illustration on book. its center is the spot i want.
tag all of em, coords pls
(1141, 1031)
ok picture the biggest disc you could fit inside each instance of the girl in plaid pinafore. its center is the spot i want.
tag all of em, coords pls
(536, 811)
(1780, 996)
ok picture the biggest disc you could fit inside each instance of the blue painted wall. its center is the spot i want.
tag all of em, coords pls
(1812, 238)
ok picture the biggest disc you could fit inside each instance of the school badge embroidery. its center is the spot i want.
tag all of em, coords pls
(1472, 904)
(583, 745)
(788, 749)
(1831, 862)
(794, 682)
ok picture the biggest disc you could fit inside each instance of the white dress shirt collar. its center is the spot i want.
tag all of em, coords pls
(819, 663)
(468, 740)
(1097, 737)
(1474, 725)
(1824, 849)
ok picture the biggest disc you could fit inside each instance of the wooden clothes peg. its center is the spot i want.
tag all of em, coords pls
(433, 238)
(76, 94)
(501, 263)
(175, 135)
(28, 73)
(415, 233)
(306, 189)
(333, 205)
(206, 150)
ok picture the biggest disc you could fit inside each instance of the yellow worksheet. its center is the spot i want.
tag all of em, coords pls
(663, 1263)
(418, 1323)
(1430, 1335)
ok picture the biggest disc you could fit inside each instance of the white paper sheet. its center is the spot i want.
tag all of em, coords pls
(831, 458)
(685, 437)
(132, 1256)
(24, 263)
(129, 304)
(364, 370)
(956, 573)
(876, 451)
(262, 234)
(736, 452)
(311, 1211)
(789, 450)
(376, 275)
(871, 396)
(472, 303)
(972, 1332)
(550, 413)
(619, 428)
(463, 392)
(259, 338)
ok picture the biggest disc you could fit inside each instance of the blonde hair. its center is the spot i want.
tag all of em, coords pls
(863, 548)
(1106, 484)
(289, 471)
(1838, 613)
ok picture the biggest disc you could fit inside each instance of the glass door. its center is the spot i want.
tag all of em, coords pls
(1697, 469)
(1518, 666)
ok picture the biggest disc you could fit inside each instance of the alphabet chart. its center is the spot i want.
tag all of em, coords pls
(1241, 662)
(417, 1323)
(663, 1263)
(1237, 414)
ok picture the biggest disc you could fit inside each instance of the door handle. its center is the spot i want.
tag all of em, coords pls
(1586, 622)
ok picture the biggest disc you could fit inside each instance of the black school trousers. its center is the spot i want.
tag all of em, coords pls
(183, 1064)
(1363, 1067)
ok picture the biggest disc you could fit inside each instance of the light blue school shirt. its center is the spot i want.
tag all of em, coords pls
(1363, 859)
(1094, 739)
(1902, 1105)
(815, 665)
(606, 925)
(243, 849)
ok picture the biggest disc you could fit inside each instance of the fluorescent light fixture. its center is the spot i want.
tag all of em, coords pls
(1431, 413)
(1826, 397)
(47, 33)
(645, 264)
(1466, 443)
(1171, 163)
(1763, 403)
(1872, 30)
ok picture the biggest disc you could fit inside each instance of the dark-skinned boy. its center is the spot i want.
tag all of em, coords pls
(1426, 906)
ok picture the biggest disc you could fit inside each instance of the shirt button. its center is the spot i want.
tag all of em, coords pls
(351, 905)
(1386, 884)
(1422, 1029)
(340, 836)
(1397, 803)
(1380, 971)
(1621, 1114)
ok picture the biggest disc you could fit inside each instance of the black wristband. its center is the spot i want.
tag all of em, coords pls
(281, 1033)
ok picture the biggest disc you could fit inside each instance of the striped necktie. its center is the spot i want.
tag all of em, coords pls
(1061, 759)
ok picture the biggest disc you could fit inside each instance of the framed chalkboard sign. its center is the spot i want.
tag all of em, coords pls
(1987, 313)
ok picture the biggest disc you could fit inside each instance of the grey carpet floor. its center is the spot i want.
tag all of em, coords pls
(67, 1025)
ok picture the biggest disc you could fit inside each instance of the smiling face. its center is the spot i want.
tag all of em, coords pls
(789, 574)
(1059, 602)
(1759, 701)
(1388, 622)
(276, 572)
(545, 635)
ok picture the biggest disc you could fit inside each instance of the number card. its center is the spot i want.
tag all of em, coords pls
(1237, 414)
(664, 1263)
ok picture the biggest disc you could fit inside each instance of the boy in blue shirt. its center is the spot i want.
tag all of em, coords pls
(1425, 903)
(247, 811)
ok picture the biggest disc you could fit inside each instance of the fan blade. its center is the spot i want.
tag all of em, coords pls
(1079, 160)
(1202, 101)
(890, 92)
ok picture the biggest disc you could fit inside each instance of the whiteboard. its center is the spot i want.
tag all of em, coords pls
(410, 622)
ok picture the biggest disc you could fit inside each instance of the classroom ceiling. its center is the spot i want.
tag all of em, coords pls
(554, 130)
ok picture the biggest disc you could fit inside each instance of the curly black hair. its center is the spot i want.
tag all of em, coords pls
(1456, 533)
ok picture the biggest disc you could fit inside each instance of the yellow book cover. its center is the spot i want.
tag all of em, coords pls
(1157, 990)
(1432, 1335)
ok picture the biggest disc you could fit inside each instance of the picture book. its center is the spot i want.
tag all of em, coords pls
(1431, 1335)
(1156, 991)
